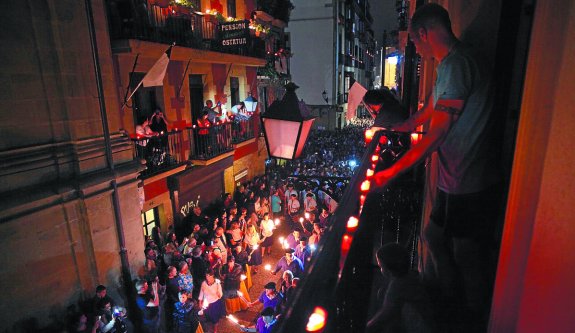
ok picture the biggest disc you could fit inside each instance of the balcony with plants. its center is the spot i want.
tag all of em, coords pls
(179, 21)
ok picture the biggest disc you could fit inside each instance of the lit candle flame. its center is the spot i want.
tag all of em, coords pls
(240, 294)
(301, 220)
(243, 277)
(281, 240)
(255, 247)
(365, 185)
(306, 215)
(268, 267)
(232, 318)
(277, 222)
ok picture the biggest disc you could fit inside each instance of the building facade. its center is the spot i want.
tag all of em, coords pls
(80, 192)
(333, 45)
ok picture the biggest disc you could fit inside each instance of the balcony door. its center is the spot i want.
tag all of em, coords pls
(145, 100)
(196, 96)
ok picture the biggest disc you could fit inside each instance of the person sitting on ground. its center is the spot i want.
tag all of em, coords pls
(405, 306)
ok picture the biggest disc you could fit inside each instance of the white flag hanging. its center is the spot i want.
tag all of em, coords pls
(155, 76)
(356, 93)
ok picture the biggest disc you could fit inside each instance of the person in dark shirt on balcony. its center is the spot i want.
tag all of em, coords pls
(462, 131)
(209, 109)
(158, 122)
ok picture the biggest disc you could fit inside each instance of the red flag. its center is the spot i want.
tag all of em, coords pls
(155, 76)
(356, 93)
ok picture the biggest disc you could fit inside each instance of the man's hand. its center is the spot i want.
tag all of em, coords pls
(381, 179)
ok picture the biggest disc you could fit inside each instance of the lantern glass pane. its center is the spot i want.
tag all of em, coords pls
(306, 127)
(281, 136)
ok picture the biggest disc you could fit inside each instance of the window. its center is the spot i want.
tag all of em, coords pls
(235, 90)
(232, 8)
(149, 221)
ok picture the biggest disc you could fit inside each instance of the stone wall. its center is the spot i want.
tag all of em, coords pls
(58, 231)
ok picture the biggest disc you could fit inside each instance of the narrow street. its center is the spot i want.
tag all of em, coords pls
(249, 316)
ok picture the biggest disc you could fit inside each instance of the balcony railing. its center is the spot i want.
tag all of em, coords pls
(169, 24)
(161, 153)
(243, 130)
(341, 278)
(209, 142)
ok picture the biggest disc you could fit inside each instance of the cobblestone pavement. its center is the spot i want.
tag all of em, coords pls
(249, 316)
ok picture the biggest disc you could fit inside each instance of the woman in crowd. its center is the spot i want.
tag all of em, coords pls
(252, 242)
(210, 298)
(267, 227)
(264, 207)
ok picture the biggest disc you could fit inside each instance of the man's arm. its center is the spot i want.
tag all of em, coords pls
(421, 116)
(445, 114)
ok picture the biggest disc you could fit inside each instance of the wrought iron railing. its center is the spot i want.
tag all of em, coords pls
(161, 153)
(340, 280)
(243, 130)
(209, 142)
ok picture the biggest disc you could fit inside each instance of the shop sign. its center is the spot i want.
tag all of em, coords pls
(234, 34)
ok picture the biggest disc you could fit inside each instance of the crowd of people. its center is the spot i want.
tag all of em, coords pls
(203, 265)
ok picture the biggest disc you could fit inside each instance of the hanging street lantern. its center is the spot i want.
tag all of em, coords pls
(286, 125)
(251, 103)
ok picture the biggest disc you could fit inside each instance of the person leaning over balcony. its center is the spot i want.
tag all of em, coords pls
(462, 130)
(143, 135)
(210, 109)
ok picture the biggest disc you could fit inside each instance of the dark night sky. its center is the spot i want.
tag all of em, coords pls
(384, 17)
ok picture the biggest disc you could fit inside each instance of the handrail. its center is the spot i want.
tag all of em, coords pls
(342, 268)
(161, 152)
